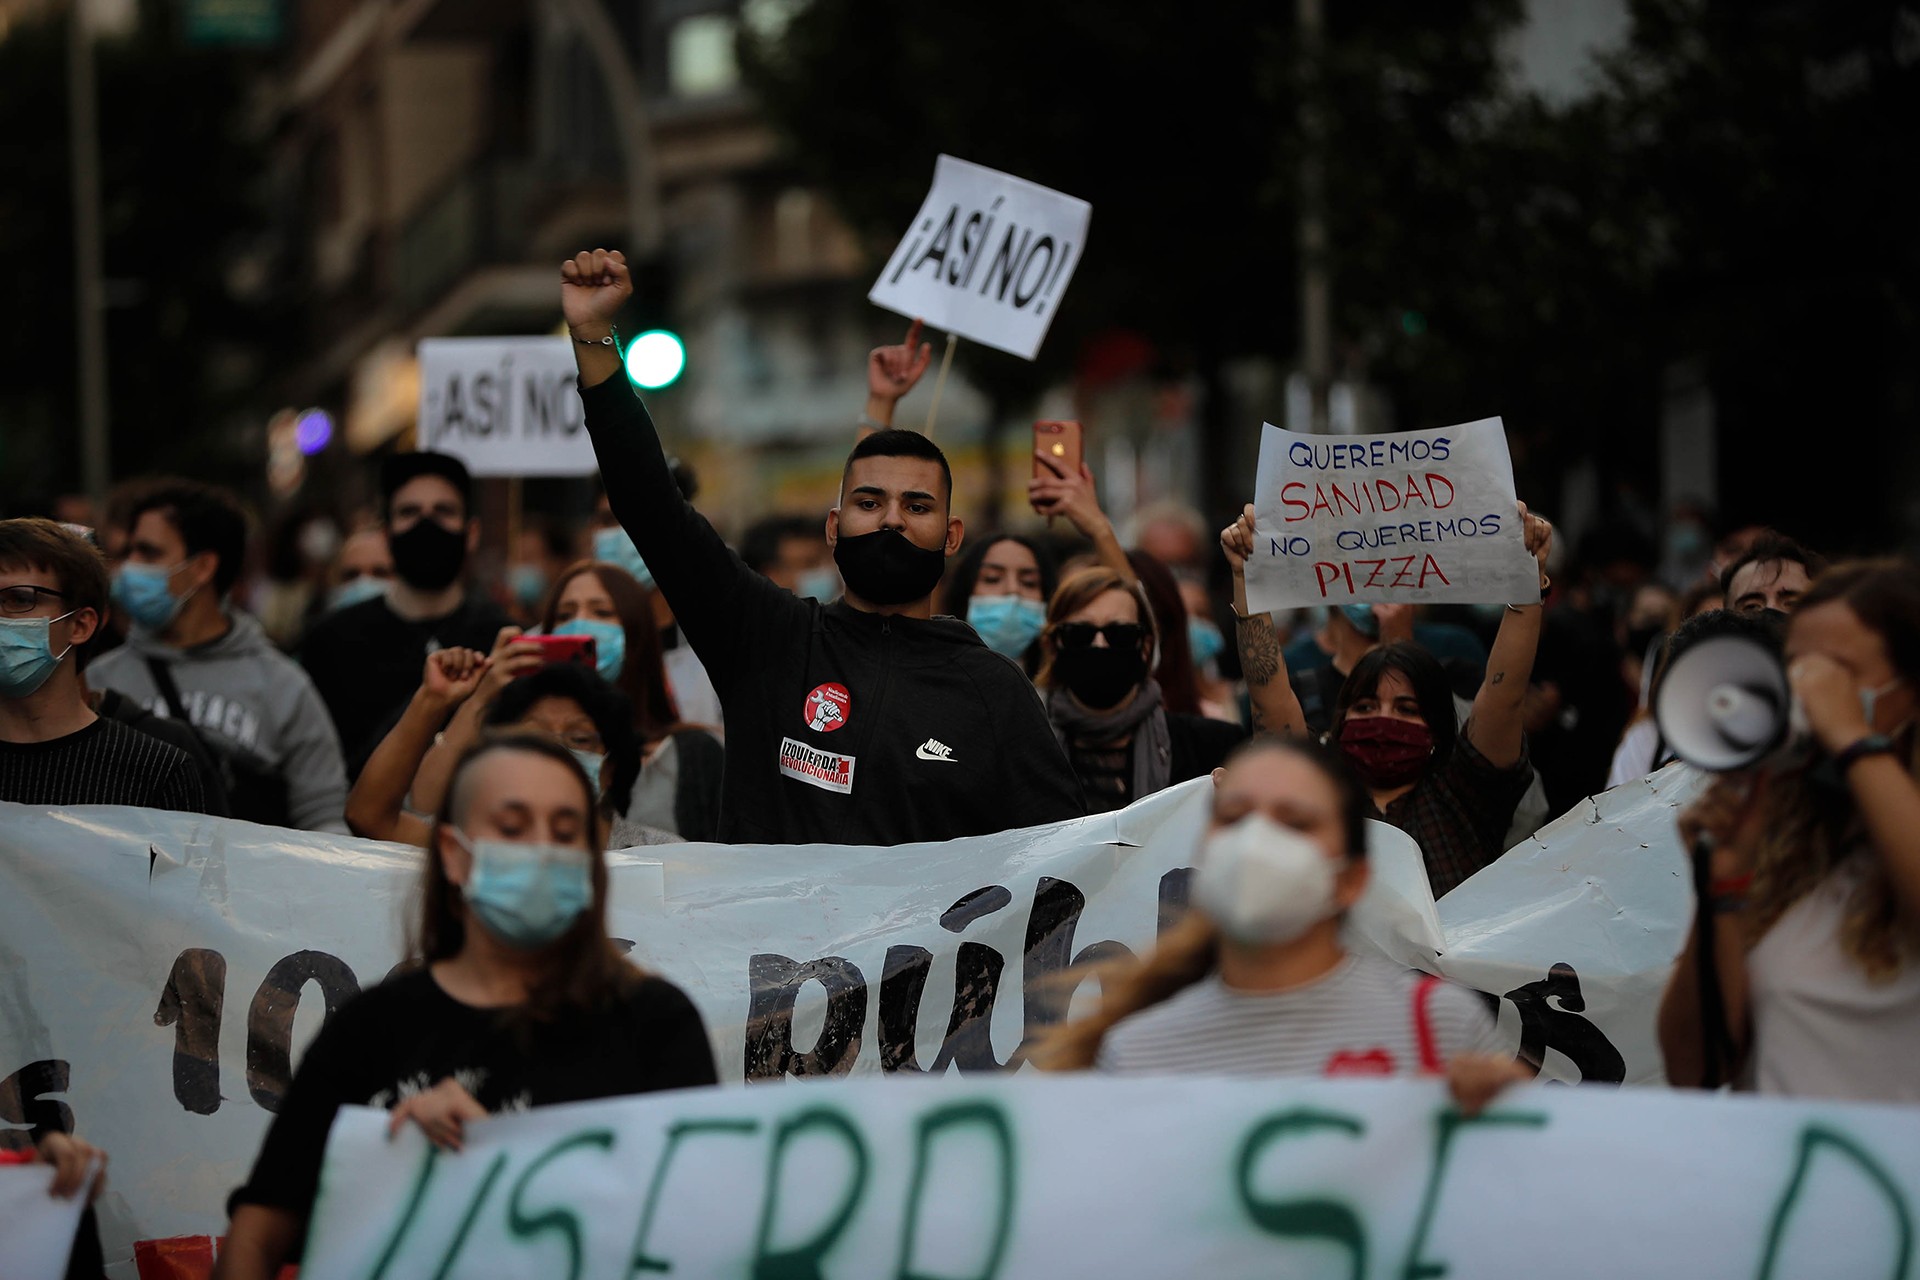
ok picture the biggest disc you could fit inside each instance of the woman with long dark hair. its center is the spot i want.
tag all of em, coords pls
(678, 790)
(1814, 871)
(517, 997)
(1256, 980)
(1453, 789)
(1001, 586)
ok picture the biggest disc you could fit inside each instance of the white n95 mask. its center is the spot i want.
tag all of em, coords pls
(1263, 883)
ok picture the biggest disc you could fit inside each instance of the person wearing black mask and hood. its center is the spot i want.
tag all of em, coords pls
(863, 721)
(365, 659)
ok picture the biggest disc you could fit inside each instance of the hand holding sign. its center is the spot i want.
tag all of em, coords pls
(442, 1113)
(74, 1161)
(1539, 540)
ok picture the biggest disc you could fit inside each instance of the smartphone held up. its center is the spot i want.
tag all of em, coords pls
(562, 650)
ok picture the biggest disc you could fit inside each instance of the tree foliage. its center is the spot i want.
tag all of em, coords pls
(180, 189)
(1733, 192)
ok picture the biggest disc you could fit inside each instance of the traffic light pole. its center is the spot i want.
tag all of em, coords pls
(83, 139)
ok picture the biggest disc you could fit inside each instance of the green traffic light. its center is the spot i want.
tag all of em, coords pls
(655, 359)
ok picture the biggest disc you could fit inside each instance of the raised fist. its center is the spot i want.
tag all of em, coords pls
(593, 288)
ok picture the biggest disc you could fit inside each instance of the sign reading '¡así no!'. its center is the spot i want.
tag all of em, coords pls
(988, 257)
(1416, 517)
(504, 406)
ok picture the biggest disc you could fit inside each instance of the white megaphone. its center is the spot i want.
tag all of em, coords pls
(1724, 704)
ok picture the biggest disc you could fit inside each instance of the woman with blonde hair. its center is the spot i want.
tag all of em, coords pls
(1099, 650)
(1814, 869)
(1256, 981)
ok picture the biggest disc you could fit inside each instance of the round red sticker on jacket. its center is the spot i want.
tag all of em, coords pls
(828, 707)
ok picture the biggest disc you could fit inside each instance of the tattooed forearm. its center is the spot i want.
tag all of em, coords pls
(1259, 649)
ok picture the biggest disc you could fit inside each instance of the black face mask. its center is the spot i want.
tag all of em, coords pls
(1099, 677)
(427, 555)
(888, 568)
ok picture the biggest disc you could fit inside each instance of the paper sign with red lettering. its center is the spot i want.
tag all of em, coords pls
(1415, 517)
(988, 257)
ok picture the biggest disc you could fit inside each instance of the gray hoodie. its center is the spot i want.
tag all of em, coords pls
(248, 698)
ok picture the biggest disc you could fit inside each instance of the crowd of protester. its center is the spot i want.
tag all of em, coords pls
(886, 676)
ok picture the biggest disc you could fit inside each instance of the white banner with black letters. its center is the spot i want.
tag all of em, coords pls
(160, 973)
(988, 257)
(504, 406)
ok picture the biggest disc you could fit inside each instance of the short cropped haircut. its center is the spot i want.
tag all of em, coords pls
(207, 518)
(33, 543)
(1770, 546)
(894, 443)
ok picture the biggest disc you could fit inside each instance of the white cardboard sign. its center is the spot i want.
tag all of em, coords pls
(36, 1229)
(168, 970)
(1086, 1176)
(1415, 517)
(988, 257)
(504, 406)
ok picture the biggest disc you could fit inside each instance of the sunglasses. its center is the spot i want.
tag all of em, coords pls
(1079, 635)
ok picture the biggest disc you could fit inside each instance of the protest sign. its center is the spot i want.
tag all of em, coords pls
(36, 1230)
(1089, 1176)
(504, 406)
(988, 257)
(168, 970)
(1417, 517)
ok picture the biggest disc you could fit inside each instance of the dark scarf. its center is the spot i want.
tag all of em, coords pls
(1142, 716)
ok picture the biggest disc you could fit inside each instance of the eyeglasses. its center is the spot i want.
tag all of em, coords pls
(18, 601)
(1079, 635)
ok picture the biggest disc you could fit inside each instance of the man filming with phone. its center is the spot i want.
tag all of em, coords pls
(864, 721)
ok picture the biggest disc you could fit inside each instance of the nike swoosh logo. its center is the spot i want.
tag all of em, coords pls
(925, 754)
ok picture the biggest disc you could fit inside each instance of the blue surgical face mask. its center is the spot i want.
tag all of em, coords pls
(821, 584)
(1205, 639)
(616, 548)
(527, 584)
(593, 762)
(1870, 699)
(141, 589)
(1363, 619)
(27, 658)
(527, 895)
(1008, 624)
(356, 591)
(609, 644)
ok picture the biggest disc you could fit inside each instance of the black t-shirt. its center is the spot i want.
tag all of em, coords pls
(366, 661)
(407, 1035)
(843, 726)
(104, 763)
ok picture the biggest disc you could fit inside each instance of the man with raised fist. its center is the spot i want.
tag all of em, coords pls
(863, 721)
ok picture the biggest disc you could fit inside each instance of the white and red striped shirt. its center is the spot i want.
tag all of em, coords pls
(1365, 1017)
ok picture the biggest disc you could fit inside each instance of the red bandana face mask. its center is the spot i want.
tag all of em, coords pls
(1385, 751)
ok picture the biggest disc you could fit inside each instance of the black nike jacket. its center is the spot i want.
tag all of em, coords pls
(843, 727)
